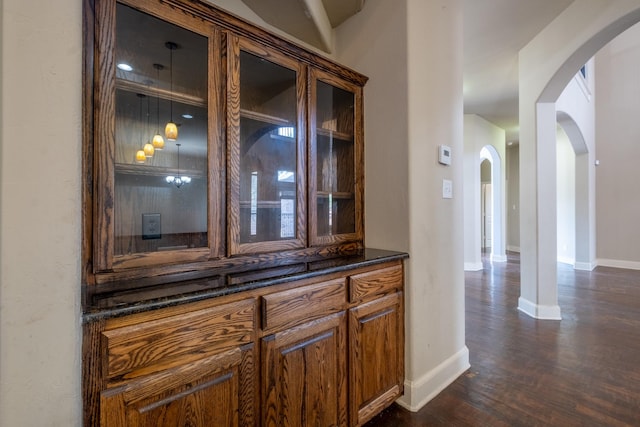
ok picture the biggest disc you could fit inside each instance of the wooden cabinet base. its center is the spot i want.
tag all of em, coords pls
(322, 351)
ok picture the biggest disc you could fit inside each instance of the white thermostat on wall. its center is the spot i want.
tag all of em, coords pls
(444, 154)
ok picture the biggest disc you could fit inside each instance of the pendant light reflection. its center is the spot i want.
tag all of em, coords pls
(148, 147)
(140, 157)
(178, 180)
(171, 130)
(158, 140)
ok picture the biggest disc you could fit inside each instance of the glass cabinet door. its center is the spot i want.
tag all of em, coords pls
(158, 179)
(335, 159)
(266, 143)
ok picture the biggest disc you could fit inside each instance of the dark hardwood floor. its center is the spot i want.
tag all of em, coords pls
(581, 371)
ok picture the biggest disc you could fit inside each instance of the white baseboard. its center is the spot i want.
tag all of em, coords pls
(498, 258)
(513, 248)
(584, 266)
(542, 312)
(419, 392)
(473, 266)
(566, 260)
(630, 265)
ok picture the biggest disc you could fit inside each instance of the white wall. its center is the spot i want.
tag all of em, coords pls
(413, 103)
(618, 149)
(385, 117)
(566, 198)
(575, 113)
(40, 202)
(513, 197)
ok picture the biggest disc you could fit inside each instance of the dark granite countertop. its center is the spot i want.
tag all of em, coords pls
(114, 302)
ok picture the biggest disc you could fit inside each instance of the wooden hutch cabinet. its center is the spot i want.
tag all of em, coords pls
(225, 277)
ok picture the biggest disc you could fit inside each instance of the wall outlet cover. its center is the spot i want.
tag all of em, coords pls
(151, 226)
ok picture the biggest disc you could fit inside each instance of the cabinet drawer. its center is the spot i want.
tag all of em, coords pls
(375, 282)
(290, 307)
(160, 344)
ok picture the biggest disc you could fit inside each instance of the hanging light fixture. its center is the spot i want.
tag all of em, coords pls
(148, 147)
(140, 157)
(158, 140)
(171, 130)
(178, 180)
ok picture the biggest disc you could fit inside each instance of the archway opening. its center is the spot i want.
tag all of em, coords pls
(492, 203)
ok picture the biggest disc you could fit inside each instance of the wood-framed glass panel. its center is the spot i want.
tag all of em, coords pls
(157, 201)
(267, 150)
(335, 159)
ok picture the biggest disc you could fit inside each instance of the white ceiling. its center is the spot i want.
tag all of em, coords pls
(495, 30)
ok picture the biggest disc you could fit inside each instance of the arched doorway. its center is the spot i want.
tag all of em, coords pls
(576, 35)
(492, 204)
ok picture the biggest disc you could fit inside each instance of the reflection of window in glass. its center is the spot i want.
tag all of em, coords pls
(287, 131)
(287, 211)
(254, 202)
(330, 213)
(286, 218)
(285, 176)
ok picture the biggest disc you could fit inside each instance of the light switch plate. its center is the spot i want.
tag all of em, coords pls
(447, 189)
(151, 226)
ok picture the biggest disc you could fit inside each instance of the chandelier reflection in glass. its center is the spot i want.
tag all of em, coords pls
(178, 180)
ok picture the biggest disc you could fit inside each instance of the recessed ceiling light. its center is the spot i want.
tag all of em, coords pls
(125, 67)
(187, 116)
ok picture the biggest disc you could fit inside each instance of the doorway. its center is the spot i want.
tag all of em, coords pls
(486, 206)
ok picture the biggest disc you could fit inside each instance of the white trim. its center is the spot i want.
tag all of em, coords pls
(542, 312)
(473, 266)
(567, 260)
(617, 263)
(584, 266)
(418, 393)
(513, 248)
(498, 258)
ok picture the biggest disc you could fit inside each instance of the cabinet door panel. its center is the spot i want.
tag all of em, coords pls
(376, 340)
(304, 370)
(267, 147)
(154, 66)
(335, 160)
(217, 391)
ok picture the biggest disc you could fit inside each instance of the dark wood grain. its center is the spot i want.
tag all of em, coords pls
(104, 107)
(92, 369)
(372, 283)
(88, 32)
(214, 391)
(217, 218)
(580, 371)
(294, 367)
(304, 374)
(288, 308)
(134, 350)
(377, 371)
